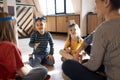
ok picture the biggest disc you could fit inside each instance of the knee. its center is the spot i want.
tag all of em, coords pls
(62, 51)
(42, 70)
(66, 64)
(37, 73)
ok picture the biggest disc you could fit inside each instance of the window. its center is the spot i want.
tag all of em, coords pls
(57, 6)
(69, 6)
(50, 7)
(60, 7)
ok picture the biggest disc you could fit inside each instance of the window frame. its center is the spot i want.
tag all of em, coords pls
(64, 12)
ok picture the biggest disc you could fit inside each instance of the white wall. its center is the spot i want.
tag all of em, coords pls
(76, 6)
(39, 9)
(87, 6)
(11, 3)
(27, 2)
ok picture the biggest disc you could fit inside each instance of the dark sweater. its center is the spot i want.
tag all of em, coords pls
(43, 39)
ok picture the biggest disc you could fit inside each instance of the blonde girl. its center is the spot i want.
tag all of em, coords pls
(72, 42)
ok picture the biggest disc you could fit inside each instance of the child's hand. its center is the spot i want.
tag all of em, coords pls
(50, 57)
(76, 57)
(36, 45)
(80, 58)
(30, 55)
(67, 50)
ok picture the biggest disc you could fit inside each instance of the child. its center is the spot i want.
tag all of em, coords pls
(10, 56)
(72, 43)
(39, 41)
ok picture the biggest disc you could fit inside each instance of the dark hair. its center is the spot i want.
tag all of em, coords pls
(71, 25)
(41, 18)
(115, 4)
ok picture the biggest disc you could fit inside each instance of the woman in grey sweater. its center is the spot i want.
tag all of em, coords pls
(105, 49)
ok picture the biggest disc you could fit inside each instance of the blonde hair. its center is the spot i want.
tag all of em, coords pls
(78, 31)
(7, 32)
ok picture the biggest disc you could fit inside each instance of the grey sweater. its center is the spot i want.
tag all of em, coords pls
(106, 49)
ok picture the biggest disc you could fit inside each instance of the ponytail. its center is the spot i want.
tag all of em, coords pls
(115, 4)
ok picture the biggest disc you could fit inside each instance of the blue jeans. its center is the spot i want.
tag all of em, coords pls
(75, 71)
(39, 59)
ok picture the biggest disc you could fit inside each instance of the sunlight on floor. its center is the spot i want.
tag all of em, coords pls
(55, 71)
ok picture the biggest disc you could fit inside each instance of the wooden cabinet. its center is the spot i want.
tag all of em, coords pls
(59, 23)
(63, 21)
(92, 22)
(76, 18)
(51, 23)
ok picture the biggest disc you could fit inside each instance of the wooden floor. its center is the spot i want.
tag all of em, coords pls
(55, 71)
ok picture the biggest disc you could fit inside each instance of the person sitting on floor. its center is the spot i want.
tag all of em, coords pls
(72, 43)
(105, 49)
(10, 56)
(39, 41)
